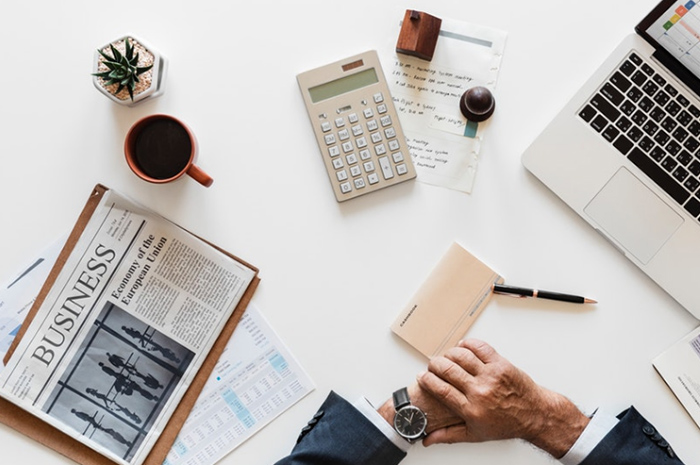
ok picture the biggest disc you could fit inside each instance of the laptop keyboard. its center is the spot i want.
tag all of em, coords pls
(650, 122)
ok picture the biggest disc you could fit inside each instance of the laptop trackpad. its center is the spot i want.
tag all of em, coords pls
(633, 215)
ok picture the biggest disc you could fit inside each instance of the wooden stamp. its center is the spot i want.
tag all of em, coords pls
(419, 34)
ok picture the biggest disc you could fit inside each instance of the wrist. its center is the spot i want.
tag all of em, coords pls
(559, 427)
(424, 401)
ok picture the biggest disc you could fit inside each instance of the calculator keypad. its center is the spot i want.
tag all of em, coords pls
(347, 135)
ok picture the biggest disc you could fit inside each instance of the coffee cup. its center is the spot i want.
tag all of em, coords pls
(161, 148)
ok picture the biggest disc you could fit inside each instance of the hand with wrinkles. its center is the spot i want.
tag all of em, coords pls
(496, 400)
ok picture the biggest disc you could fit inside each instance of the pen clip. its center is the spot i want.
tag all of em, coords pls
(514, 296)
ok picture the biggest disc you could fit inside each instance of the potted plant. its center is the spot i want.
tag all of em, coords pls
(128, 71)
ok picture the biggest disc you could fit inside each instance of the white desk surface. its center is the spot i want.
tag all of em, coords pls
(334, 276)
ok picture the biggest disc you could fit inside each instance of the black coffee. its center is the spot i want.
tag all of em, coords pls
(162, 149)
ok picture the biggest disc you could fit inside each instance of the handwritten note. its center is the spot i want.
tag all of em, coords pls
(443, 144)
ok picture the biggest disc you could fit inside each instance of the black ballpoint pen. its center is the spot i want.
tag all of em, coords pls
(538, 294)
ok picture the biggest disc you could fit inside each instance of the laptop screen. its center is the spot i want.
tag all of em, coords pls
(673, 29)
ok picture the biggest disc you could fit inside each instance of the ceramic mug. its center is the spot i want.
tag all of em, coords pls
(161, 148)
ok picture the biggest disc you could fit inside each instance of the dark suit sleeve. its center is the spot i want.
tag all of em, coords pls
(633, 441)
(339, 434)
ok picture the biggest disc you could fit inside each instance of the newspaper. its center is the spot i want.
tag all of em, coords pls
(123, 330)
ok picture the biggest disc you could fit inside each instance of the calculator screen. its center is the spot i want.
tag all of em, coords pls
(343, 85)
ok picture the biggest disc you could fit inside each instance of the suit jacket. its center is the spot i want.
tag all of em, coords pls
(338, 434)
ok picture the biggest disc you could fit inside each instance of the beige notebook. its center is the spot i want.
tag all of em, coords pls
(447, 303)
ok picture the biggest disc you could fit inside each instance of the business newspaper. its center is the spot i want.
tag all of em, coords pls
(123, 330)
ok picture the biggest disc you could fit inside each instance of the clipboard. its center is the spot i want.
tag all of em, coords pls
(31, 426)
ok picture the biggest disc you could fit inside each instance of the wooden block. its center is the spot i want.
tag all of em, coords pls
(419, 34)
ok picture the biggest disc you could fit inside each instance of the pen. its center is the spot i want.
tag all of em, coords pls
(523, 292)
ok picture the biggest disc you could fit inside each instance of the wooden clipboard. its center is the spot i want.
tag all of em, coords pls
(31, 426)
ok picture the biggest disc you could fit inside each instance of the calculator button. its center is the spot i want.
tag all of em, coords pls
(339, 122)
(355, 171)
(351, 159)
(378, 97)
(393, 145)
(342, 175)
(401, 169)
(380, 149)
(359, 183)
(390, 133)
(365, 155)
(369, 166)
(333, 151)
(385, 165)
(337, 163)
(373, 178)
(345, 187)
(376, 138)
(385, 120)
(343, 135)
(372, 125)
(368, 112)
(326, 126)
(381, 109)
(398, 157)
(361, 143)
(352, 117)
(357, 130)
(347, 147)
(330, 139)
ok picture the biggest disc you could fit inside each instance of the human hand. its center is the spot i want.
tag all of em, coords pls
(496, 400)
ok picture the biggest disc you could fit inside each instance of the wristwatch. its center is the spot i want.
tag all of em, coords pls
(409, 421)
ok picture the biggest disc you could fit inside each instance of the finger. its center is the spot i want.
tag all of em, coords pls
(466, 359)
(482, 350)
(450, 372)
(447, 394)
(449, 435)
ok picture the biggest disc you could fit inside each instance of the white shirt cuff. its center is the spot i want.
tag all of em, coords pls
(600, 425)
(364, 406)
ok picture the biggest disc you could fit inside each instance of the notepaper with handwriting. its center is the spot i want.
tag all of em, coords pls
(443, 144)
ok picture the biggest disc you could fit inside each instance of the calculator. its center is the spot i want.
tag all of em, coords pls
(356, 126)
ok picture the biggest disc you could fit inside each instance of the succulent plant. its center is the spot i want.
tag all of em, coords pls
(122, 69)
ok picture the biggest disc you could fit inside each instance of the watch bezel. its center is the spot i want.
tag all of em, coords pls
(403, 410)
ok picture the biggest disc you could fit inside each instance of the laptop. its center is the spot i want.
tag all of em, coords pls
(624, 152)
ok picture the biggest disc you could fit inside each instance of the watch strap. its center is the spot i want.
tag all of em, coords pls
(401, 398)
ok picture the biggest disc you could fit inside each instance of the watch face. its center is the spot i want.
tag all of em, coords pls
(410, 422)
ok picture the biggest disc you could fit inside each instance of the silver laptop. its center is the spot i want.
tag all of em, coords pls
(624, 153)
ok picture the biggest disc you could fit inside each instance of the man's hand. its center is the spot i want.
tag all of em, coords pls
(438, 415)
(496, 400)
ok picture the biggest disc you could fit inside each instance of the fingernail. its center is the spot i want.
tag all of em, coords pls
(420, 375)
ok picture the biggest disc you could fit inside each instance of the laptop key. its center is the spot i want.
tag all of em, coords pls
(605, 107)
(657, 114)
(624, 145)
(635, 94)
(669, 163)
(695, 167)
(691, 144)
(684, 158)
(684, 118)
(650, 128)
(639, 117)
(658, 175)
(646, 104)
(635, 133)
(647, 69)
(694, 128)
(650, 88)
(662, 137)
(691, 184)
(623, 124)
(680, 174)
(646, 144)
(635, 59)
(694, 111)
(673, 108)
(599, 123)
(683, 101)
(661, 98)
(693, 207)
(610, 133)
(587, 113)
(639, 78)
(612, 94)
(671, 90)
(628, 107)
(620, 81)
(657, 153)
(659, 80)
(627, 68)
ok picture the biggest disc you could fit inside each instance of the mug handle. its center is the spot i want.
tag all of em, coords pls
(200, 176)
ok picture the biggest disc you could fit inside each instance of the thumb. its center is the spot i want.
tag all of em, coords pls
(449, 435)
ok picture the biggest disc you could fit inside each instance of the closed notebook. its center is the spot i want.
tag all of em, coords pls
(447, 303)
